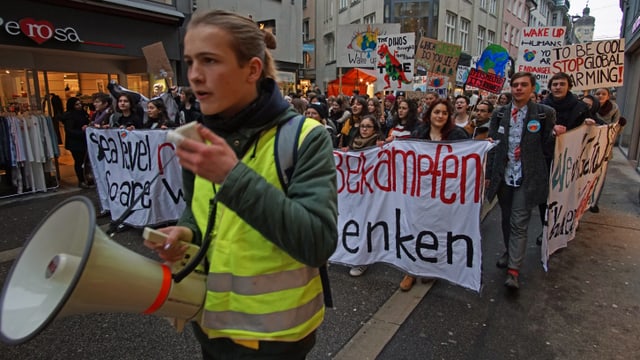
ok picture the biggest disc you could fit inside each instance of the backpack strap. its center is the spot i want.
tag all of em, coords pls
(286, 149)
(286, 156)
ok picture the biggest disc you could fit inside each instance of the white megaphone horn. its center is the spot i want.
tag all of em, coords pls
(69, 266)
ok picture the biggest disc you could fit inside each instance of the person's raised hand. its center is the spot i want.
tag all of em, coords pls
(213, 160)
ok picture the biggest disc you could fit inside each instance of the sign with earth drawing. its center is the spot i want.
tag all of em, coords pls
(356, 45)
(490, 72)
(534, 54)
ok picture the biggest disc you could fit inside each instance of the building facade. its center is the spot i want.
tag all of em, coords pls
(285, 19)
(628, 97)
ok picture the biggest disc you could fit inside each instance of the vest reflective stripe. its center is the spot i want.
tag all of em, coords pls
(255, 291)
(261, 284)
(265, 323)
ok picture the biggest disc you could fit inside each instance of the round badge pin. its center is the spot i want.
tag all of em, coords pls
(533, 126)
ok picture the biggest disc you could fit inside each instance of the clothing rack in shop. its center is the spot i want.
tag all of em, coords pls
(21, 172)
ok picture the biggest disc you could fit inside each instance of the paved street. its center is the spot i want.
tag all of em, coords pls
(586, 307)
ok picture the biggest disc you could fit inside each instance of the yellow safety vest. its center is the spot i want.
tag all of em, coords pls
(255, 290)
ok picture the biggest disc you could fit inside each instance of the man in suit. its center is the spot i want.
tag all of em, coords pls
(517, 170)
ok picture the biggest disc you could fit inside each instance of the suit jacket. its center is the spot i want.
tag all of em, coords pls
(536, 143)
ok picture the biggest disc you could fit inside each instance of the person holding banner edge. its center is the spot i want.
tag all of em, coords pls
(570, 113)
(264, 294)
(517, 168)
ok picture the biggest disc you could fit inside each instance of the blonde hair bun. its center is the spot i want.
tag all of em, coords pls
(269, 39)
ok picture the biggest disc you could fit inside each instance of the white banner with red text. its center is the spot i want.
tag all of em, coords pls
(125, 165)
(578, 171)
(415, 205)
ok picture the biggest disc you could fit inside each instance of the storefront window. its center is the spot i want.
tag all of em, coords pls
(14, 96)
(287, 82)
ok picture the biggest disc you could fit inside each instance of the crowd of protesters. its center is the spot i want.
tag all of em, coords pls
(124, 109)
(358, 121)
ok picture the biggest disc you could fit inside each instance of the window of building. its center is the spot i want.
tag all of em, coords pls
(343, 4)
(450, 25)
(481, 36)
(305, 30)
(416, 17)
(355, 22)
(505, 38)
(329, 43)
(370, 19)
(329, 8)
(492, 6)
(491, 37)
(464, 33)
(483, 4)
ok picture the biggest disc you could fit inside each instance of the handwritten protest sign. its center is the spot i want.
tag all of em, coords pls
(591, 65)
(356, 45)
(124, 164)
(437, 57)
(534, 52)
(415, 205)
(577, 175)
(485, 81)
(396, 54)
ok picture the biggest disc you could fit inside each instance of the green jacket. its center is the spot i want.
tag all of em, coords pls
(302, 222)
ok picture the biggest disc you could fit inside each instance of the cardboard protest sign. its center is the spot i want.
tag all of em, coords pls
(534, 52)
(591, 65)
(157, 60)
(489, 74)
(396, 54)
(356, 45)
(437, 57)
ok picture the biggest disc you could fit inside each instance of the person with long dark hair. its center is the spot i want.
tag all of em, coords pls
(404, 121)
(158, 116)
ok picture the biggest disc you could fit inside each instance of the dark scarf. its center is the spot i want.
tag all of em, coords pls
(606, 108)
(361, 143)
(563, 106)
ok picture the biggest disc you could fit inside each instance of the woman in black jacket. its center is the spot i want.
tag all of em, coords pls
(75, 122)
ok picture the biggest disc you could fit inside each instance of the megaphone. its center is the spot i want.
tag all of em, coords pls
(70, 266)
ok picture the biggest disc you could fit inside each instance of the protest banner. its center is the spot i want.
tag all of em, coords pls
(125, 164)
(396, 54)
(356, 44)
(415, 205)
(579, 167)
(591, 65)
(433, 56)
(534, 52)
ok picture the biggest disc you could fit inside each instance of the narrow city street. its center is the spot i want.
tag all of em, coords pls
(585, 307)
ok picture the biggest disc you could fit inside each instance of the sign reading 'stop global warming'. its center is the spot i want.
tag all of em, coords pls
(591, 65)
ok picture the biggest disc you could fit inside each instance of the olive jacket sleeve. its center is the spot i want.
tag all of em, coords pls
(302, 222)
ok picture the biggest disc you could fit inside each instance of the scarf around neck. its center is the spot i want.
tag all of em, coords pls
(606, 108)
(361, 143)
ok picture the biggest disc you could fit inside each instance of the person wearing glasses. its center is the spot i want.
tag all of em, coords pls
(368, 135)
(480, 122)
